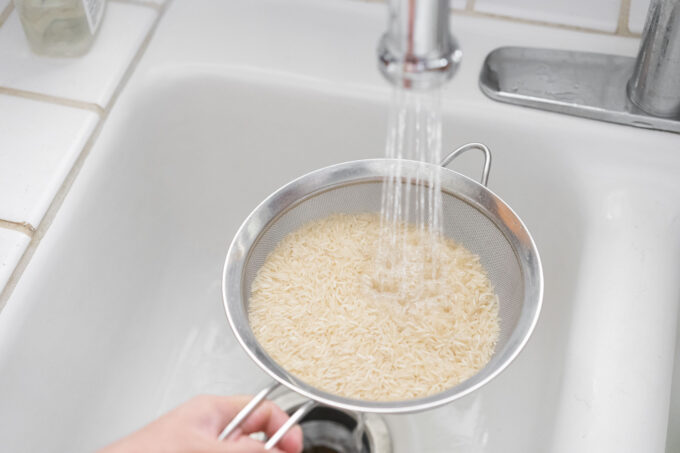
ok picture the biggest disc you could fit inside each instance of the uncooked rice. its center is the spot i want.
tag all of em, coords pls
(323, 310)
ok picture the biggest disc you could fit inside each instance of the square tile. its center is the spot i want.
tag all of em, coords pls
(39, 142)
(599, 14)
(12, 247)
(637, 15)
(91, 78)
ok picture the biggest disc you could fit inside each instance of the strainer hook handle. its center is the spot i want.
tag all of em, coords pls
(253, 404)
(487, 159)
(247, 410)
(292, 421)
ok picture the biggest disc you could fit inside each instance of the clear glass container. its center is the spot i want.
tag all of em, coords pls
(60, 28)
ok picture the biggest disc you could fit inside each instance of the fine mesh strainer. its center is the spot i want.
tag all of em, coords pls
(472, 215)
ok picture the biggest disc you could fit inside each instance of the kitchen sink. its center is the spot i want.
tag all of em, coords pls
(118, 316)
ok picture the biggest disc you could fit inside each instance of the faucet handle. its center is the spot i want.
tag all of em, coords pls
(655, 84)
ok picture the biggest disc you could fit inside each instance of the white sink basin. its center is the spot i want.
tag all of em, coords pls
(118, 317)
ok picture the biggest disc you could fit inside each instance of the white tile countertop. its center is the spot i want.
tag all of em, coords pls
(37, 162)
(52, 109)
(92, 78)
(12, 246)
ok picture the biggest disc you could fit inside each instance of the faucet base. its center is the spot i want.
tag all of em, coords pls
(582, 84)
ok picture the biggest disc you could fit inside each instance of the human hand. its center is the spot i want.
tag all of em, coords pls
(194, 426)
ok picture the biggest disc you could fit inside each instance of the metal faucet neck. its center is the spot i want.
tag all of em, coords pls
(418, 51)
(655, 84)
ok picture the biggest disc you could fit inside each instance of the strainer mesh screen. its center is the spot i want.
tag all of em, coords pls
(463, 223)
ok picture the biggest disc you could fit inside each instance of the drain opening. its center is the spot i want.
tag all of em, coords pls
(328, 430)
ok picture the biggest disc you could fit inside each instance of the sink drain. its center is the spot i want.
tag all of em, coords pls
(328, 430)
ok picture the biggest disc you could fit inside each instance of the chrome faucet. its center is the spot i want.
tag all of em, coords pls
(642, 91)
(418, 50)
(655, 85)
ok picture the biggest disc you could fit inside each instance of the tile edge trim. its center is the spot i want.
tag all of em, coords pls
(4, 14)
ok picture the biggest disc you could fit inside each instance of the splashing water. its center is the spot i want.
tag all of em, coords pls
(414, 132)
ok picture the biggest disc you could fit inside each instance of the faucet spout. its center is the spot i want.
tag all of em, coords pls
(418, 50)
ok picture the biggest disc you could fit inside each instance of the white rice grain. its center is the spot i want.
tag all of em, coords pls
(322, 308)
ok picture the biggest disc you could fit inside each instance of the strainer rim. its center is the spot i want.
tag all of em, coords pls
(365, 171)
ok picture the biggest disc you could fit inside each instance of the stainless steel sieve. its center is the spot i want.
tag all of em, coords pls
(473, 216)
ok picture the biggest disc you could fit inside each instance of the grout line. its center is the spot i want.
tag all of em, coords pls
(470, 5)
(624, 15)
(520, 20)
(146, 4)
(63, 191)
(52, 99)
(22, 227)
(6, 12)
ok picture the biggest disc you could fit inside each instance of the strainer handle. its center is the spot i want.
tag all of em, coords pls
(252, 405)
(487, 159)
(292, 421)
(247, 410)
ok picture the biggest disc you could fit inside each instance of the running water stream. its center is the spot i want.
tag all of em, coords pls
(414, 132)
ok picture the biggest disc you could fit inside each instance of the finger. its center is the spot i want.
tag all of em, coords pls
(268, 418)
(229, 406)
(292, 442)
(246, 445)
(214, 413)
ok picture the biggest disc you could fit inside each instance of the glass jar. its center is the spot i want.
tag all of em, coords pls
(60, 28)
